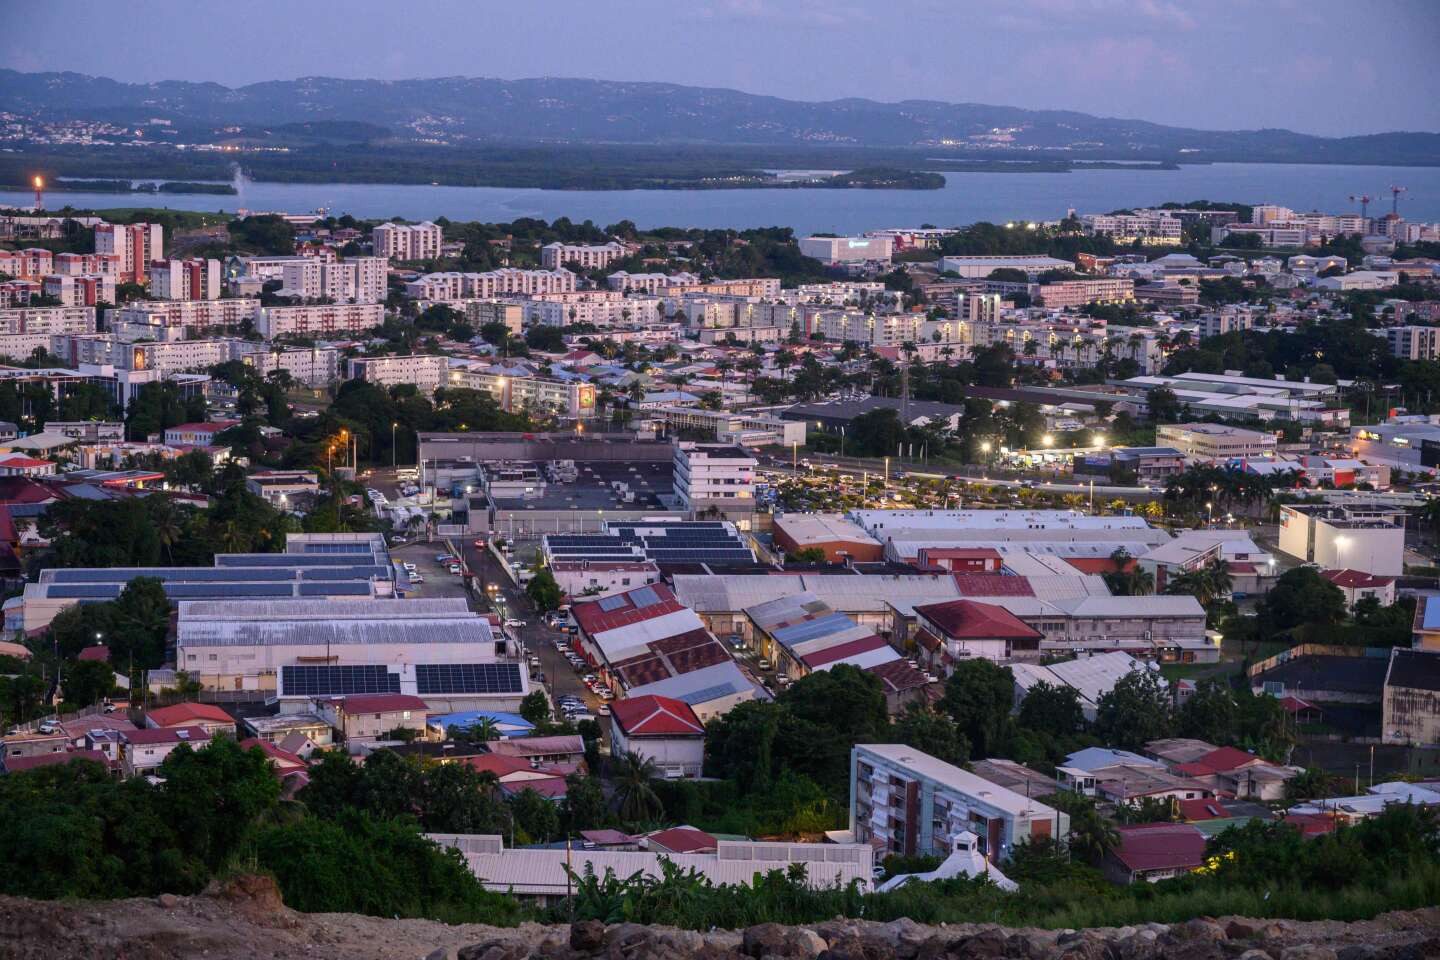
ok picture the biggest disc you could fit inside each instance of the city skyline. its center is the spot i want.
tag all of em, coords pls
(1174, 63)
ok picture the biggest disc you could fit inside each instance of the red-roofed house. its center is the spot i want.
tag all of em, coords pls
(96, 651)
(197, 434)
(960, 559)
(19, 465)
(1154, 851)
(679, 840)
(659, 729)
(1232, 771)
(979, 585)
(141, 751)
(206, 716)
(1310, 824)
(960, 629)
(517, 775)
(368, 716)
(1302, 710)
(1194, 811)
(282, 761)
(1357, 585)
(19, 764)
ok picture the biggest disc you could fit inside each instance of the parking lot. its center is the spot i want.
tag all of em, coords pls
(438, 581)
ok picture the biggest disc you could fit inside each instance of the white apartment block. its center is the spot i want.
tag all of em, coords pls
(649, 282)
(356, 280)
(187, 314)
(82, 264)
(553, 256)
(136, 244)
(603, 308)
(83, 291)
(273, 268)
(1066, 294)
(886, 330)
(407, 241)
(185, 279)
(1153, 227)
(847, 249)
(980, 267)
(508, 281)
(47, 320)
(31, 263)
(1263, 213)
(427, 372)
(980, 307)
(319, 320)
(1214, 441)
(312, 366)
(1275, 234)
(714, 475)
(564, 398)
(480, 312)
(1413, 343)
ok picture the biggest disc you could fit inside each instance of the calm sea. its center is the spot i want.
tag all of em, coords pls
(966, 197)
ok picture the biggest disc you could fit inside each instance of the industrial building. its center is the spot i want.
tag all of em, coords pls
(1369, 537)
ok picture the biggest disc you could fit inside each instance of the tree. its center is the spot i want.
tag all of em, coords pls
(1052, 710)
(1163, 405)
(635, 797)
(218, 793)
(1091, 835)
(544, 592)
(1209, 714)
(535, 816)
(1136, 710)
(535, 707)
(140, 624)
(1300, 596)
(934, 733)
(978, 696)
(86, 682)
(584, 805)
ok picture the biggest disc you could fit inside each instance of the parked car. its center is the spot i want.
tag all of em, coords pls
(514, 623)
(764, 664)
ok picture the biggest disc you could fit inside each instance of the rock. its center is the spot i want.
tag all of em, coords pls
(985, 945)
(168, 901)
(805, 943)
(1243, 928)
(1199, 929)
(493, 950)
(850, 947)
(1307, 951)
(1254, 955)
(441, 953)
(587, 935)
(1027, 946)
(1359, 951)
(764, 940)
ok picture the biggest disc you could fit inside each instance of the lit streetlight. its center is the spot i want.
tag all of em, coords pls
(1047, 441)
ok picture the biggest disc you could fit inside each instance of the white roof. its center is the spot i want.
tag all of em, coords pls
(1091, 677)
(806, 528)
(631, 639)
(947, 774)
(843, 592)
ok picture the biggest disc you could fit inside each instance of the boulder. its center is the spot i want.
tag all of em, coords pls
(1307, 951)
(587, 935)
(493, 950)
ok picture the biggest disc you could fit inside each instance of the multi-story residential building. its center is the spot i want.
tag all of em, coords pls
(480, 312)
(1264, 213)
(1149, 227)
(312, 366)
(1226, 321)
(136, 244)
(1413, 343)
(407, 241)
(553, 256)
(142, 751)
(493, 283)
(86, 291)
(319, 320)
(1214, 441)
(714, 475)
(185, 279)
(369, 716)
(1077, 293)
(356, 280)
(980, 307)
(1271, 235)
(31, 263)
(47, 320)
(603, 308)
(649, 282)
(906, 802)
(426, 371)
(565, 398)
(847, 249)
(886, 329)
(147, 318)
(83, 264)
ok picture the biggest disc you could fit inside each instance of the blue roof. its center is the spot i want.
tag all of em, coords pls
(1094, 758)
(510, 724)
(1432, 616)
(812, 629)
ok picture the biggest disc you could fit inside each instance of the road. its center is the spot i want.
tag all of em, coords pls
(977, 475)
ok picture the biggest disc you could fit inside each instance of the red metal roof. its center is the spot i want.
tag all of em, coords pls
(1098, 565)
(897, 676)
(593, 619)
(654, 716)
(21, 462)
(17, 764)
(1310, 824)
(992, 585)
(283, 758)
(150, 737)
(96, 651)
(211, 427)
(1160, 846)
(683, 840)
(1356, 579)
(1296, 705)
(184, 714)
(969, 619)
(380, 703)
(1192, 810)
(1222, 760)
(842, 651)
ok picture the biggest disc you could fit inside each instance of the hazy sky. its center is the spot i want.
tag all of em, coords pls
(1319, 66)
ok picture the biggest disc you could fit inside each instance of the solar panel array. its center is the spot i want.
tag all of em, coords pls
(336, 681)
(699, 541)
(613, 603)
(230, 560)
(342, 589)
(346, 547)
(449, 678)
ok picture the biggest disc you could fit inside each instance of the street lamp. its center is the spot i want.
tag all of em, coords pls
(1047, 441)
(393, 425)
(1210, 513)
(1099, 440)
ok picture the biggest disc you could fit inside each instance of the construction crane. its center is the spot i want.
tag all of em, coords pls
(1364, 200)
(1395, 199)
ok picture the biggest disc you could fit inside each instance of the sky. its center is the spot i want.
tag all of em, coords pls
(1330, 67)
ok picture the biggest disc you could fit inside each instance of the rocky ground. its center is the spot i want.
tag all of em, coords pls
(245, 919)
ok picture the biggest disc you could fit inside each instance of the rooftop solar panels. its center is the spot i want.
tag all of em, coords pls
(223, 591)
(451, 678)
(644, 597)
(612, 603)
(334, 589)
(334, 681)
(352, 547)
(86, 591)
(231, 560)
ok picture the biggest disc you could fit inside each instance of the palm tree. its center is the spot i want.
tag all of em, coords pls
(167, 527)
(635, 797)
(1218, 578)
(1154, 510)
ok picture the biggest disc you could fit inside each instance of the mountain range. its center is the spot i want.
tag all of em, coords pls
(477, 110)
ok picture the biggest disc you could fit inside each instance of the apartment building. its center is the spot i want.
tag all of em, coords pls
(356, 280)
(1412, 343)
(319, 320)
(46, 320)
(407, 241)
(136, 244)
(553, 256)
(603, 308)
(847, 249)
(888, 329)
(564, 398)
(1271, 235)
(904, 801)
(1214, 441)
(480, 312)
(1152, 227)
(85, 291)
(714, 475)
(146, 316)
(508, 281)
(428, 373)
(978, 268)
(82, 264)
(31, 263)
(312, 366)
(185, 279)
(649, 282)
(1076, 293)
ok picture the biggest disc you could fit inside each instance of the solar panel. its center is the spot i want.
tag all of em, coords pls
(644, 597)
(220, 591)
(351, 547)
(346, 589)
(104, 591)
(445, 678)
(334, 680)
(609, 604)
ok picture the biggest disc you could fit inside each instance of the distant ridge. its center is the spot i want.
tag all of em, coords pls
(476, 110)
